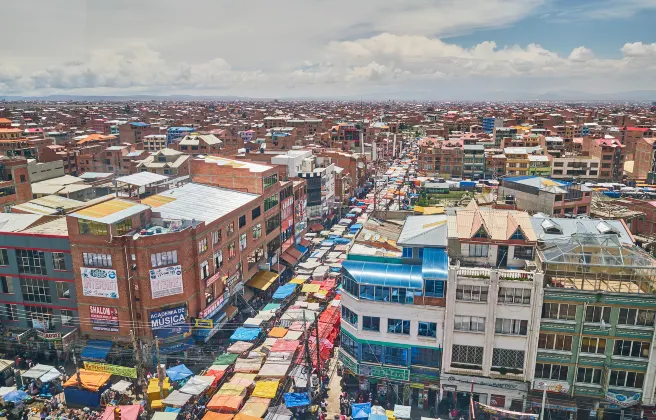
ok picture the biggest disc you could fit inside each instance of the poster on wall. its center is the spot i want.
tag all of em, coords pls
(99, 282)
(104, 318)
(169, 322)
(166, 281)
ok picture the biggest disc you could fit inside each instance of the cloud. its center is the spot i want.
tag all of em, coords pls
(581, 54)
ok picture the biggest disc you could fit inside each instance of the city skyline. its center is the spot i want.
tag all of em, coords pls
(442, 50)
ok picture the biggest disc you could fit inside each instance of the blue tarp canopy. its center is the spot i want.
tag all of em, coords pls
(96, 350)
(327, 243)
(285, 291)
(177, 347)
(271, 307)
(349, 215)
(172, 410)
(15, 396)
(301, 248)
(435, 265)
(178, 373)
(296, 399)
(360, 411)
(245, 334)
(342, 241)
(356, 227)
(381, 274)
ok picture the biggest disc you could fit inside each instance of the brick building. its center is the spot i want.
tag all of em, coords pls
(15, 185)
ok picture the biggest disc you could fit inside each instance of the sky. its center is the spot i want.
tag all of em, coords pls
(350, 49)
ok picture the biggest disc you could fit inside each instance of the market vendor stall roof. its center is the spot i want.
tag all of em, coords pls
(176, 399)
(89, 380)
(266, 389)
(96, 350)
(262, 280)
(196, 385)
(121, 386)
(178, 373)
(44, 373)
(128, 412)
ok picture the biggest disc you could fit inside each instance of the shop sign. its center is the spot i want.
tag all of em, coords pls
(492, 383)
(623, 400)
(126, 372)
(169, 322)
(215, 306)
(349, 363)
(99, 282)
(384, 372)
(213, 279)
(561, 387)
(234, 278)
(104, 318)
(49, 336)
(217, 326)
(203, 323)
(166, 281)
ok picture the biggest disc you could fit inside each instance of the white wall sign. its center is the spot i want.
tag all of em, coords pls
(166, 281)
(99, 282)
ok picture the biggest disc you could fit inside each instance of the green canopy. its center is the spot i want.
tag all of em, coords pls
(226, 359)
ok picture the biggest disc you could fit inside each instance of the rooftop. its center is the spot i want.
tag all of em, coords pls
(221, 161)
(110, 211)
(489, 223)
(424, 231)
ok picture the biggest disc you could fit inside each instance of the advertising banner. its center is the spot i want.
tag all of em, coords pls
(169, 322)
(104, 318)
(126, 372)
(99, 282)
(166, 281)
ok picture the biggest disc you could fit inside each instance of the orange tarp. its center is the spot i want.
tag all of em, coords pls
(211, 415)
(277, 332)
(226, 403)
(242, 416)
(90, 380)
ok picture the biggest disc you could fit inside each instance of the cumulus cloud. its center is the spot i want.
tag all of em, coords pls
(581, 54)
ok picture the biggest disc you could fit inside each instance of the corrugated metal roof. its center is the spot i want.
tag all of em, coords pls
(424, 230)
(110, 211)
(141, 179)
(380, 274)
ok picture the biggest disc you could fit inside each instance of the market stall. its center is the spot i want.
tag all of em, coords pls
(86, 391)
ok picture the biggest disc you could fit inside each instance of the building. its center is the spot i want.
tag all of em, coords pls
(501, 133)
(535, 194)
(517, 161)
(199, 144)
(489, 124)
(321, 198)
(165, 162)
(473, 161)
(609, 151)
(174, 134)
(597, 323)
(570, 167)
(539, 165)
(154, 142)
(15, 187)
(135, 132)
(37, 280)
(393, 312)
(40, 171)
(644, 161)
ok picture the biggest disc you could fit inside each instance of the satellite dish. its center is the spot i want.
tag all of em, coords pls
(135, 236)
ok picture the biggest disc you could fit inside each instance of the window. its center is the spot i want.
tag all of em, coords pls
(270, 202)
(562, 311)
(87, 227)
(371, 323)
(398, 326)
(349, 317)
(427, 329)
(425, 357)
(407, 253)
(349, 345)
(232, 251)
(204, 270)
(511, 326)
(124, 226)
(66, 317)
(481, 233)
(641, 317)
(202, 245)
(164, 258)
(272, 223)
(626, 379)
(242, 221)
(593, 345)
(256, 212)
(630, 348)
(257, 231)
(372, 353)
(471, 356)
(11, 313)
(231, 228)
(589, 376)
(503, 358)
(31, 262)
(58, 261)
(39, 318)
(434, 288)
(63, 290)
(477, 250)
(4, 258)
(216, 237)
(97, 260)
(34, 290)
(471, 293)
(524, 252)
(6, 285)
(469, 323)
(396, 356)
(597, 314)
(555, 342)
(270, 180)
(549, 371)
(518, 235)
(242, 242)
(366, 292)
(514, 295)
(218, 260)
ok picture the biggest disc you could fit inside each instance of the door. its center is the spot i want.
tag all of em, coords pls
(502, 256)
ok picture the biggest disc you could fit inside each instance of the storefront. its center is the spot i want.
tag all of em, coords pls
(500, 393)
(211, 318)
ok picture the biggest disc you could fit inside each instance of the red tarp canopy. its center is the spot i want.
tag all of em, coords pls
(128, 412)
(289, 259)
(327, 331)
(285, 346)
(316, 227)
(305, 243)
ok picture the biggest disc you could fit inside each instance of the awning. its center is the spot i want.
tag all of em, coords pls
(288, 258)
(381, 274)
(230, 311)
(294, 252)
(316, 227)
(302, 249)
(555, 404)
(305, 243)
(262, 280)
(96, 350)
(435, 264)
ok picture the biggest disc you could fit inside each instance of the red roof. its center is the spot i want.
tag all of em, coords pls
(636, 129)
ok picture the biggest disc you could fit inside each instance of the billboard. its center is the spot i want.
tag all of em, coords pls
(104, 318)
(169, 322)
(166, 281)
(99, 282)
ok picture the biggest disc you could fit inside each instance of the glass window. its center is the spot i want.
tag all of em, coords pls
(272, 223)
(204, 270)
(349, 345)
(470, 293)
(202, 245)
(232, 250)
(561, 311)
(593, 345)
(242, 221)
(218, 260)
(66, 317)
(470, 356)
(11, 313)
(256, 212)
(398, 326)
(555, 342)
(349, 317)
(216, 237)
(626, 379)
(407, 253)
(31, 262)
(371, 323)
(257, 231)
(4, 257)
(164, 258)
(372, 353)
(427, 329)
(270, 202)
(511, 326)
(434, 288)
(630, 316)
(630, 348)
(589, 376)
(396, 356)
(597, 314)
(549, 371)
(6, 285)
(97, 260)
(124, 226)
(230, 228)
(478, 250)
(270, 180)
(58, 261)
(468, 323)
(514, 295)
(366, 292)
(523, 252)
(423, 356)
(382, 294)
(64, 290)
(39, 317)
(87, 227)
(504, 358)
(242, 242)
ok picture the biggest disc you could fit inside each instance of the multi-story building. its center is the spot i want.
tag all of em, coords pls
(199, 144)
(135, 132)
(609, 151)
(321, 201)
(15, 187)
(597, 326)
(571, 167)
(393, 314)
(539, 165)
(174, 134)
(473, 161)
(493, 313)
(154, 142)
(517, 161)
(345, 137)
(37, 285)
(501, 133)
(536, 194)
(165, 162)
(490, 123)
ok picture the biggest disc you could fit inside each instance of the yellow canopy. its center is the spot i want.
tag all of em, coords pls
(296, 280)
(262, 280)
(311, 288)
(265, 389)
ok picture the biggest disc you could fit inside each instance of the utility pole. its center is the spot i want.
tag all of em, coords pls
(316, 330)
(160, 374)
(138, 357)
(77, 367)
(308, 359)
(544, 402)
